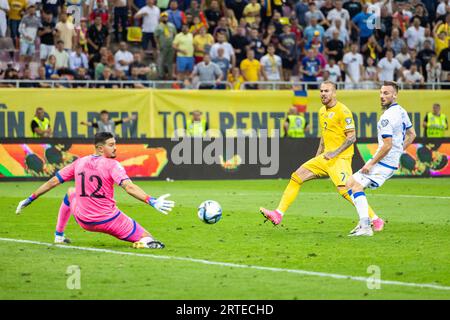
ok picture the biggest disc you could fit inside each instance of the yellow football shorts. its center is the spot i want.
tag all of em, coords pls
(338, 169)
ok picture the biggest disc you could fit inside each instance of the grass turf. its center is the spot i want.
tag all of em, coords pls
(414, 247)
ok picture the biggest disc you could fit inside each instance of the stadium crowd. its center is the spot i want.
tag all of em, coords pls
(214, 41)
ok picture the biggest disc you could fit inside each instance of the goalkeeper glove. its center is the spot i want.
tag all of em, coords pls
(26, 202)
(161, 204)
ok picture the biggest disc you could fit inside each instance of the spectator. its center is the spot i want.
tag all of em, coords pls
(339, 13)
(194, 9)
(40, 125)
(397, 43)
(165, 33)
(288, 51)
(310, 67)
(202, 44)
(256, 43)
(106, 77)
(354, 68)
(207, 71)
(362, 25)
(97, 36)
(62, 57)
(327, 7)
(412, 77)
(150, 15)
(235, 78)
(340, 29)
(222, 26)
(14, 17)
(440, 38)
(240, 44)
(78, 59)
(412, 60)
(65, 31)
(46, 33)
(28, 79)
(4, 8)
(142, 70)
(228, 49)
(251, 69)
(271, 65)
(372, 49)
(251, 11)
(424, 56)
(50, 68)
(175, 15)
(120, 19)
(333, 70)
(53, 6)
(428, 38)
(99, 67)
(270, 37)
(310, 31)
(314, 14)
(232, 22)
(403, 55)
(213, 14)
(100, 10)
(414, 33)
(184, 46)
(301, 8)
(444, 59)
(335, 47)
(237, 6)
(28, 31)
(389, 67)
(434, 70)
(42, 76)
(353, 7)
(123, 58)
(370, 76)
(421, 14)
(223, 63)
(81, 77)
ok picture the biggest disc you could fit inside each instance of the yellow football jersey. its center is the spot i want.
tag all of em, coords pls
(335, 122)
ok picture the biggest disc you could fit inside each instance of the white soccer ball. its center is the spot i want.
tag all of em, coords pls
(209, 211)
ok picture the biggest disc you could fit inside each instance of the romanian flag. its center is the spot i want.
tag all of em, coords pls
(300, 100)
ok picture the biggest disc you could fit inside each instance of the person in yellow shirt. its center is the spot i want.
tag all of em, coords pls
(15, 13)
(184, 46)
(333, 158)
(251, 69)
(251, 11)
(202, 43)
(235, 78)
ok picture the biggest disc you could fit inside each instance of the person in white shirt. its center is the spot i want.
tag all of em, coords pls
(228, 49)
(354, 67)
(150, 20)
(441, 9)
(4, 8)
(334, 72)
(414, 33)
(388, 67)
(123, 58)
(61, 55)
(78, 59)
(271, 65)
(339, 13)
(412, 77)
(395, 134)
(339, 27)
(403, 55)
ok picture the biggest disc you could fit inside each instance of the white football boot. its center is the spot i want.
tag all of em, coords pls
(361, 231)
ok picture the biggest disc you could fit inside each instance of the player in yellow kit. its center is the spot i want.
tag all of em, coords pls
(333, 157)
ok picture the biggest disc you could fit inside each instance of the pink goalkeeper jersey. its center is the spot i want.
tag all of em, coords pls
(94, 183)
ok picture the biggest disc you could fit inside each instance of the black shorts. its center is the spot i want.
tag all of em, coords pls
(288, 64)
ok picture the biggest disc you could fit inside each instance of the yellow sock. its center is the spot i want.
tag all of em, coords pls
(347, 197)
(290, 193)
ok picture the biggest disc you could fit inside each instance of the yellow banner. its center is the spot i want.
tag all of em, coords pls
(253, 109)
(68, 107)
(159, 112)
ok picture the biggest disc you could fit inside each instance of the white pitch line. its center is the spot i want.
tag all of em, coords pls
(235, 265)
(369, 194)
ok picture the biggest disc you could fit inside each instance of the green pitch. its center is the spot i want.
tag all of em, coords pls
(414, 248)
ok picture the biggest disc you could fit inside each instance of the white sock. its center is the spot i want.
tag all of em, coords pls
(282, 213)
(362, 206)
(146, 239)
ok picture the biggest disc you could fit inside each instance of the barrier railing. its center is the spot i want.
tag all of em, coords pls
(260, 85)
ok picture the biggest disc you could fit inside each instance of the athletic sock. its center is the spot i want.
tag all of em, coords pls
(347, 195)
(290, 193)
(63, 216)
(362, 206)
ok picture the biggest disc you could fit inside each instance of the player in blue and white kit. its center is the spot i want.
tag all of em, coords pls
(395, 134)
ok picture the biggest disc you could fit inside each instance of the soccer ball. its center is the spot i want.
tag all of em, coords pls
(209, 211)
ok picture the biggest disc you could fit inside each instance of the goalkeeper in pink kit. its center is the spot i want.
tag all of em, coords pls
(92, 202)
